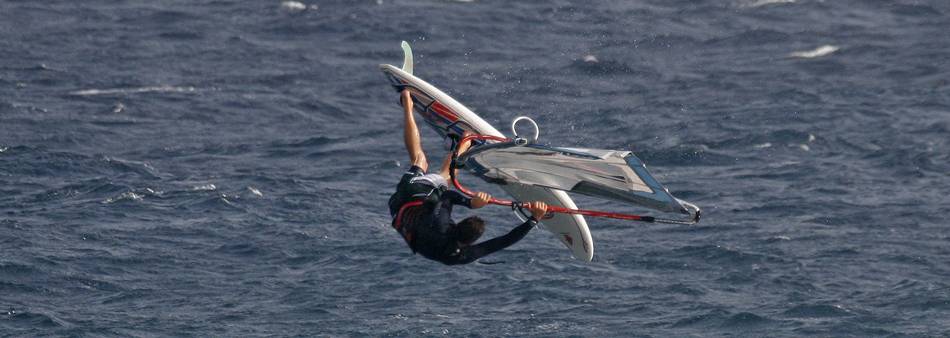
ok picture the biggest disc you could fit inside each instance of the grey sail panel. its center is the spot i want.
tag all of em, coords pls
(609, 174)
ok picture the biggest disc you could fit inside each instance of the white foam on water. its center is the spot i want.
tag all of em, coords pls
(255, 191)
(206, 187)
(293, 6)
(224, 198)
(152, 192)
(129, 195)
(760, 3)
(814, 53)
(152, 89)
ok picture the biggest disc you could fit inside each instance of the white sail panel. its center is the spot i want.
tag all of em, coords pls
(611, 174)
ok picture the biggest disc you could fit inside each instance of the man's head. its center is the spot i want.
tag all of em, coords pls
(470, 229)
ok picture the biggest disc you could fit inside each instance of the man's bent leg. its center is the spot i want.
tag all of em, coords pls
(417, 157)
(447, 163)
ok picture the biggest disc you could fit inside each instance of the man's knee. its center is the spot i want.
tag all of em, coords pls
(419, 160)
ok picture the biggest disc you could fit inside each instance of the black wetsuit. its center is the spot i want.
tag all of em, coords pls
(430, 225)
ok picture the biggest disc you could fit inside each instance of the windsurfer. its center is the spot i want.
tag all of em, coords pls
(422, 205)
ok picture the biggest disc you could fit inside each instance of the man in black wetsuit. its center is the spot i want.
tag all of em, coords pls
(422, 208)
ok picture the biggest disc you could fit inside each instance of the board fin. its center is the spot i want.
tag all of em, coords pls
(407, 57)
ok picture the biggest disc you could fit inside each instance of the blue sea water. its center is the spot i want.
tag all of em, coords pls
(221, 168)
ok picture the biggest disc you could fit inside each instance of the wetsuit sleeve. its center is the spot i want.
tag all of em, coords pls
(471, 253)
(457, 198)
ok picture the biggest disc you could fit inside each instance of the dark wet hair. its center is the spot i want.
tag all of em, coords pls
(470, 229)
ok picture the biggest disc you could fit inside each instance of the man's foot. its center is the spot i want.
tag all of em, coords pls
(463, 147)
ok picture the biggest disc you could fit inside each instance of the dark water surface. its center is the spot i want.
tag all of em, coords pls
(221, 168)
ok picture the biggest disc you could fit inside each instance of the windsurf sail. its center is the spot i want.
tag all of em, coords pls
(608, 174)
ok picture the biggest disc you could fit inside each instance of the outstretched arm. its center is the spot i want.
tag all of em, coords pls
(469, 254)
(411, 134)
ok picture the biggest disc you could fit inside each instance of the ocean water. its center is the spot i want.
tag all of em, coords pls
(221, 168)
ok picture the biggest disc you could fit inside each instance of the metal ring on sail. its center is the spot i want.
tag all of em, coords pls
(514, 132)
